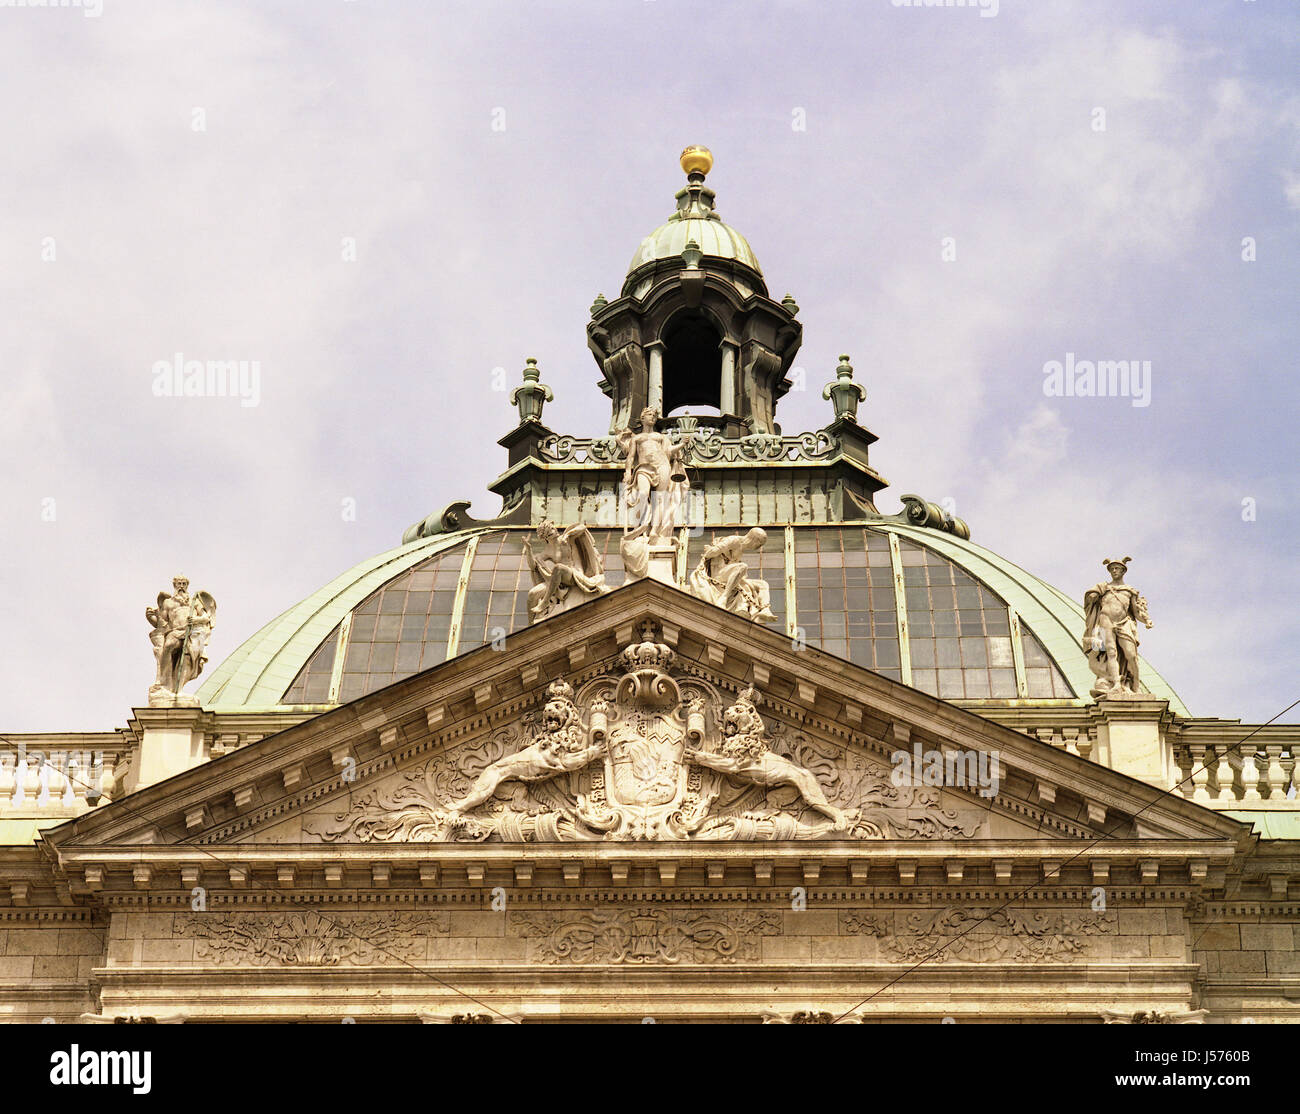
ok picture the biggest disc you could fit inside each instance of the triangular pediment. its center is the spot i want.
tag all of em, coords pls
(671, 721)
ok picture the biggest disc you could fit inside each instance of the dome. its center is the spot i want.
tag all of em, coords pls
(980, 630)
(696, 219)
(715, 240)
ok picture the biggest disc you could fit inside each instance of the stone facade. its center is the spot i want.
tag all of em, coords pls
(243, 888)
(660, 801)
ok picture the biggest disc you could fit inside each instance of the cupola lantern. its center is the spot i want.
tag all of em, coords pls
(694, 324)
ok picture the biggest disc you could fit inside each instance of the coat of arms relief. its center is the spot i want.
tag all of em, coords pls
(642, 754)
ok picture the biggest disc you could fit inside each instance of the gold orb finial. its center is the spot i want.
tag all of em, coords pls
(697, 159)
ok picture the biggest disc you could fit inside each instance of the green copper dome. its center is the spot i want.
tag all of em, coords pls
(980, 630)
(715, 240)
(695, 221)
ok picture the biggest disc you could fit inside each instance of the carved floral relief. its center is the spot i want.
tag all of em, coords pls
(979, 935)
(310, 939)
(644, 936)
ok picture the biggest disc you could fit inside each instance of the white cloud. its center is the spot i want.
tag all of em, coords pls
(476, 249)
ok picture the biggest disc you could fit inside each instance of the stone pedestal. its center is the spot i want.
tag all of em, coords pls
(1131, 737)
(653, 562)
(575, 597)
(663, 564)
(171, 742)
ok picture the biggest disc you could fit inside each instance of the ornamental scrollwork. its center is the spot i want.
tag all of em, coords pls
(642, 754)
(973, 935)
(558, 449)
(308, 939)
(644, 936)
(708, 446)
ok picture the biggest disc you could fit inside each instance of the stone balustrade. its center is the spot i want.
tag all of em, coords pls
(63, 776)
(1235, 777)
(1208, 762)
(1075, 740)
(54, 781)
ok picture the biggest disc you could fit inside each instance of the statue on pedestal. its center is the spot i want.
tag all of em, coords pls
(182, 625)
(655, 485)
(1113, 610)
(568, 571)
(721, 578)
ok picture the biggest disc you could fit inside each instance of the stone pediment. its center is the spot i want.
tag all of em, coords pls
(643, 718)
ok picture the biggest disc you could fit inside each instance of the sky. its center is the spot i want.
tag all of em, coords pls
(384, 203)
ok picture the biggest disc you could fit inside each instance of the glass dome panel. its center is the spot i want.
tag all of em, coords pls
(1042, 676)
(959, 631)
(402, 627)
(312, 685)
(844, 595)
(960, 637)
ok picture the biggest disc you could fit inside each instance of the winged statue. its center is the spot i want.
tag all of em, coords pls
(566, 572)
(182, 624)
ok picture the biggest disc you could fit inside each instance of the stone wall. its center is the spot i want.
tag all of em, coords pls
(1249, 956)
(557, 956)
(47, 959)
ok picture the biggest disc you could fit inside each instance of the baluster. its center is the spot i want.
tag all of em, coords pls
(53, 777)
(8, 760)
(25, 779)
(1183, 765)
(71, 776)
(1200, 774)
(1274, 775)
(43, 771)
(1224, 775)
(1085, 743)
(106, 781)
(1249, 775)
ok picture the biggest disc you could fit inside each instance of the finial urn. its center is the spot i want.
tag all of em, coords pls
(845, 395)
(532, 395)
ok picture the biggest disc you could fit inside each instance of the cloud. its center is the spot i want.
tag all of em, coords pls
(475, 248)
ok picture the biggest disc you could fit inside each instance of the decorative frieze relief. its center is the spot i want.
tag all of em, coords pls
(1155, 1017)
(980, 935)
(644, 936)
(308, 939)
(773, 1016)
(708, 446)
(447, 1018)
(641, 754)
